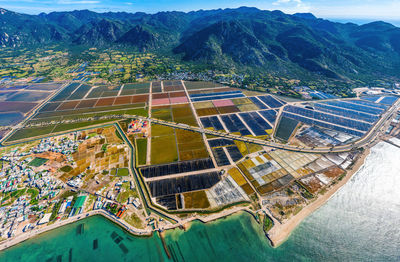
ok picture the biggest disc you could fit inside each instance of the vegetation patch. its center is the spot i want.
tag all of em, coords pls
(163, 145)
(141, 149)
(37, 162)
(123, 172)
(196, 199)
(66, 169)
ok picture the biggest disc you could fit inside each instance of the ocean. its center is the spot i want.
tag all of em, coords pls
(361, 222)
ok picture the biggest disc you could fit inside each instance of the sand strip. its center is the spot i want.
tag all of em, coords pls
(280, 232)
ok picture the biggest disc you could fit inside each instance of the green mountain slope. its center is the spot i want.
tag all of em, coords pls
(247, 39)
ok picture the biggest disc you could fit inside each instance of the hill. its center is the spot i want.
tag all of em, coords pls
(247, 39)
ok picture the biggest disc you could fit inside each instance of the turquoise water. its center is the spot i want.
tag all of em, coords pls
(360, 223)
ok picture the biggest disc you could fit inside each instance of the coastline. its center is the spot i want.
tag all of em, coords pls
(279, 233)
(10, 242)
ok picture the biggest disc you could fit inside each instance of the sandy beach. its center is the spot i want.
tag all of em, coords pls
(280, 232)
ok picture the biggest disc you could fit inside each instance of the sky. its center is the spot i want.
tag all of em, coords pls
(339, 10)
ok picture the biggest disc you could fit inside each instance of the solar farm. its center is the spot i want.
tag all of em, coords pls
(186, 169)
(353, 117)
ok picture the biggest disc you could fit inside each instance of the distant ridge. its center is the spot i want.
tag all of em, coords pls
(299, 45)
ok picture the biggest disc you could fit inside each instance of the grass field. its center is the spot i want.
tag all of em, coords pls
(162, 112)
(123, 172)
(141, 148)
(30, 132)
(46, 130)
(163, 145)
(38, 161)
(200, 85)
(70, 126)
(66, 169)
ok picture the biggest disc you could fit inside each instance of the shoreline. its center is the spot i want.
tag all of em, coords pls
(10, 242)
(279, 233)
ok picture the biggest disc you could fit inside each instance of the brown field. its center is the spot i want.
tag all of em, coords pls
(140, 98)
(68, 105)
(190, 145)
(183, 114)
(105, 102)
(312, 184)
(93, 160)
(173, 88)
(207, 111)
(228, 109)
(123, 100)
(196, 199)
(87, 103)
(267, 188)
(333, 172)
(180, 111)
(247, 189)
(177, 94)
(162, 95)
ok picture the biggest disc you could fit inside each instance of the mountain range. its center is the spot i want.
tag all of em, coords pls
(247, 38)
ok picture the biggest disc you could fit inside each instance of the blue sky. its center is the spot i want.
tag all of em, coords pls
(365, 10)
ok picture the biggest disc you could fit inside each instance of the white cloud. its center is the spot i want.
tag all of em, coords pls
(77, 2)
(284, 2)
(382, 11)
(292, 6)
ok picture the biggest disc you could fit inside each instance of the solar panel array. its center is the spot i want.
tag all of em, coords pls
(216, 96)
(354, 117)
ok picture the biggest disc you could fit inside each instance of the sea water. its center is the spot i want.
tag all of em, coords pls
(361, 222)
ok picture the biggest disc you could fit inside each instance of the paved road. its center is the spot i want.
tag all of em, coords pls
(365, 140)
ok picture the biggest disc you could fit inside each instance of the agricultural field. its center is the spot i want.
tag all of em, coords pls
(17, 101)
(163, 145)
(241, 181)
(141, 151)
(190, 145)
(37, 162)
(185, 170)
(98, 160)
(264, 173)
